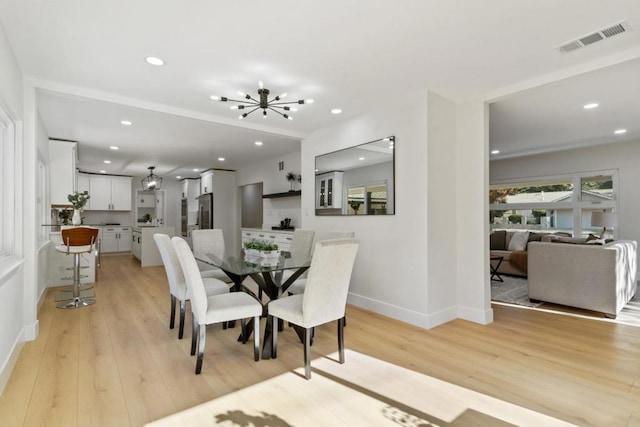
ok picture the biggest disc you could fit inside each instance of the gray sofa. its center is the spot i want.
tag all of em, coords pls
(593, 277)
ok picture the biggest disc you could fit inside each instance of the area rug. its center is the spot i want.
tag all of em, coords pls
(512, 290)
(362, 392)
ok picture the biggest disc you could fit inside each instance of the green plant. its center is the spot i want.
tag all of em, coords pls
(65, 215)
(146, 217)
(515, 219)
(261, 246)
(78, 200)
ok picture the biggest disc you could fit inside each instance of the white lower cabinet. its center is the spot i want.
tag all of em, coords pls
(116, 239)
(144, 245)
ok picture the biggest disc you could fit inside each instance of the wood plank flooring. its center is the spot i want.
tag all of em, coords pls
(117, 363)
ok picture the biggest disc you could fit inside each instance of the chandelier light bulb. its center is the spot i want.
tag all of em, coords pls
(309, 101)
(215, 98)
(260, 85)
(241, 93)
(233, 107)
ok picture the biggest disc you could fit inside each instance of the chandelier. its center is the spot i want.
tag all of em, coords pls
(153, 181)
(253, 104)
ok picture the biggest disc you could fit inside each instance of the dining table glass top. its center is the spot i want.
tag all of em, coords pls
(244, 264)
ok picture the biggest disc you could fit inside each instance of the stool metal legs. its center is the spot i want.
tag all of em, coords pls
(77, 301)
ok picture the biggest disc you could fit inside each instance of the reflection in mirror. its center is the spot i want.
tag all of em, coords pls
(357, 180)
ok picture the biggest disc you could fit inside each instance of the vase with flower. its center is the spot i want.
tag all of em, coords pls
(78, 200)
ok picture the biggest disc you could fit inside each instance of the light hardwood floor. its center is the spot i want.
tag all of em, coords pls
(117, 363)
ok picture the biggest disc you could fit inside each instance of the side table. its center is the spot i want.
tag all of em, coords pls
(494, 268)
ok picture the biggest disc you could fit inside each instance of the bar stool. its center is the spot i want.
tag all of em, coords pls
(77, 241)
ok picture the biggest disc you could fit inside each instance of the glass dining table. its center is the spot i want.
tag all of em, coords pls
(266, 272)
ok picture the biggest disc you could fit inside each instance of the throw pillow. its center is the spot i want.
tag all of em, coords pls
(535, 237)
(497, 240)
(519, 241)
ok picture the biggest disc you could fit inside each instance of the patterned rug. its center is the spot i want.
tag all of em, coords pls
(513, 291)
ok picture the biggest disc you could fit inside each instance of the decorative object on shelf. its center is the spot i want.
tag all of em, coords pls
(147, 218)
(78, 200)
(292, 177)
(604, 220)
(153, 181)
(264, 102)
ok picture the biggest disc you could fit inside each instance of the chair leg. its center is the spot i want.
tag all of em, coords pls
(256, 338)
(341, 340)
(201, 342)
(274, 336)
(172, 319)
(307, 353)
(194, 334)
(183, 309)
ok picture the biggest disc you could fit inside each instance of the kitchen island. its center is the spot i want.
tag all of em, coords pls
(144, 247)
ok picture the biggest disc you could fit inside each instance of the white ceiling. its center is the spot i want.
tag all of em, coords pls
(342, 53)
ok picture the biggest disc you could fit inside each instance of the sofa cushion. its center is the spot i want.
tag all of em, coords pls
(535, 237)
(519, 241)
(498, 240)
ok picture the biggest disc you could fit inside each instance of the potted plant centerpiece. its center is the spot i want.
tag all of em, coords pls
(261, 249)
(78, 200)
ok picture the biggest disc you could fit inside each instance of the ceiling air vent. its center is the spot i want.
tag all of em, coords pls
(586, 40)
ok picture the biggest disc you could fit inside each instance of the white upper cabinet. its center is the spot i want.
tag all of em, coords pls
(191, 191)
(83, 185)
(62, 173)
(206, 182)
(110, 193)
(329, 190)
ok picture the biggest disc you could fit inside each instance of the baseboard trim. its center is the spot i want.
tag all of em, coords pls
(422, 320)
(10, 363)
(484, 317)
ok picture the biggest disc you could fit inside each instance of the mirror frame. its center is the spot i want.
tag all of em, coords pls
(324, 191)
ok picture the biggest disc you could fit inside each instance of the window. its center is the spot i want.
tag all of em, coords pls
(370, 199)
(7, 185)
(559, 203)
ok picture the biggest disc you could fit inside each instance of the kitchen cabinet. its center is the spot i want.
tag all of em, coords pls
(110, 193)
(116, 239)
(329, 190)
(144, 246)
(62, 171)
(206, 182)
(191, 191)
(150, 203)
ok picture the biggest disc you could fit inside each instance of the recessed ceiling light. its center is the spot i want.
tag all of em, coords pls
(103, 171)
(107, 161)
(113, 147)
(221, 159)
(178, 177)
(495, 151)
(196, 170)
(336, 111)
(620, 131)
(361, 158)
(154, 60)
(258, 143)
(126, 122)
(590, 105)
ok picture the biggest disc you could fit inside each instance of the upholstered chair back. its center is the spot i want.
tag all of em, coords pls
(209, 241)
(302, 242)
(193, 279)
(325, 295)
(177, 285)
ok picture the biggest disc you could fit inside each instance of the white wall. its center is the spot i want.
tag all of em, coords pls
(622, 156)
(391, 271)
(274, 181)
(12, 307)
(42, 145)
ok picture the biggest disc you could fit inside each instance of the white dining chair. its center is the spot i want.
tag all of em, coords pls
(207, 310)
(298, 286)
(324, 298)
(301, 245)
(210, 241)
(177, 284)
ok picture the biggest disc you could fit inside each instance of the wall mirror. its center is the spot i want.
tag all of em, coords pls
(358, 180)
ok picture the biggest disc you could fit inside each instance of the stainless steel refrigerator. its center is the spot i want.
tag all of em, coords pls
(205, 211)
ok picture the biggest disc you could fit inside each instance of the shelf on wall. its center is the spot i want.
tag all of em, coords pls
(279, 195)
